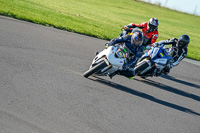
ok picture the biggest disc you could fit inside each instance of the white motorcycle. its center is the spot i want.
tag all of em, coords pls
(108, 61)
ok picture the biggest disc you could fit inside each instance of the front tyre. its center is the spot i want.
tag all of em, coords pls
(94, 69)
(141, 67)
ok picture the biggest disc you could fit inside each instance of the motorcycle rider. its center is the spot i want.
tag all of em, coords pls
(150, 30)
(134, 44)
(178, 51)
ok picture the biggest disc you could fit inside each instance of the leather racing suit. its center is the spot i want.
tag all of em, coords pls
(178, 54)
(149, 37)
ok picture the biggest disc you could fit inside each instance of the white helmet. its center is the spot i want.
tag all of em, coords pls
(152, 24)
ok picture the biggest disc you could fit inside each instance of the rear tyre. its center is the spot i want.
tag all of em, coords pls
(141, 67)
(94, 69)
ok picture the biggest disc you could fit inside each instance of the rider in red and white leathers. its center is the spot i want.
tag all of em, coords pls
(150, 30)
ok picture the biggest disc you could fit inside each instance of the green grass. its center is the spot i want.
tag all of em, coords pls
(105, 18)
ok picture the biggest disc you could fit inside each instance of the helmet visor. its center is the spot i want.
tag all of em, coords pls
(152, 27)
(182, 44)
(137, 39)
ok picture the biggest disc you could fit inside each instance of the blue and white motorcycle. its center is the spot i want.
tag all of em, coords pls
(153, 61)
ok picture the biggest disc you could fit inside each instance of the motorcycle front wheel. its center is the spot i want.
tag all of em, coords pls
(94, 69)
(141, 67)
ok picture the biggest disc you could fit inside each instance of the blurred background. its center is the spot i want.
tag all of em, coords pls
(187, 6)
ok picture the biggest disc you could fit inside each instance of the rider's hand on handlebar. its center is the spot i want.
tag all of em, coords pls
(155, 44)
(126, 28)
(148, 47)
(107, 44)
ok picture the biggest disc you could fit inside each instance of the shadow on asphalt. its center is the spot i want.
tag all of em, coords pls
(181, 81)
(143, 95)
(170, 89)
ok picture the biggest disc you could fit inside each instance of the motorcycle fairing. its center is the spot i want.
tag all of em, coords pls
(110, 54)
(157, 55)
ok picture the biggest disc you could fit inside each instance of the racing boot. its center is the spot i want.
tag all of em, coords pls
(111, 75)
(129, 73)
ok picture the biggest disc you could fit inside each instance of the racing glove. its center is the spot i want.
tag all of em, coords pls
(107, 45)
(156, 44)
(173, 40)
(148, 47)
(126, 28)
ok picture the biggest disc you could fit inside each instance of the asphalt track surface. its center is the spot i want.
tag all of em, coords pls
(42, 89)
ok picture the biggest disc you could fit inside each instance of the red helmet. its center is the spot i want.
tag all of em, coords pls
(137, 38)
(152, 24)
